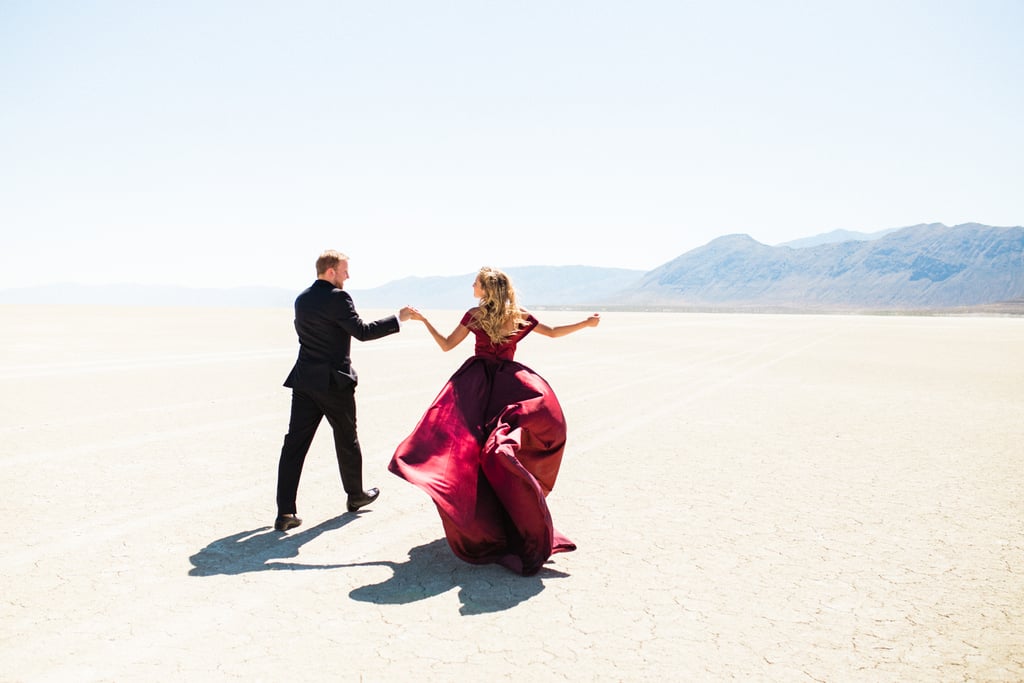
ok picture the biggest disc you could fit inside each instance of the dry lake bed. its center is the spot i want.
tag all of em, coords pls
(754, 497)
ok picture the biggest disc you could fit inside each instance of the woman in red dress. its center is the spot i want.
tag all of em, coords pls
(488, 448)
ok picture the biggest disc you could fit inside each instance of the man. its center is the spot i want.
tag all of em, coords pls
(323, 383)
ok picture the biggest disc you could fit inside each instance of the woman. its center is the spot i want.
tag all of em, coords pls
(488, 449)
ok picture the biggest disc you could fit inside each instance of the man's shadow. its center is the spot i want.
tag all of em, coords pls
(431, 569)
(254, 550)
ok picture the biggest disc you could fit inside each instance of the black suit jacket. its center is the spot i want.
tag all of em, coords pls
(326, 321)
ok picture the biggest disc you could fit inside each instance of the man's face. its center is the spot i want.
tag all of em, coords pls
(338, 274)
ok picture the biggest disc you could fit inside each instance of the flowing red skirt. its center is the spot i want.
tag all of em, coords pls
(487, 451)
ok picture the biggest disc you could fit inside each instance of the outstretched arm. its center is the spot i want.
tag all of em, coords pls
(562, 330)
(446, 343)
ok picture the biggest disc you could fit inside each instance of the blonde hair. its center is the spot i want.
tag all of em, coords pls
(499, 314)
(329, 259)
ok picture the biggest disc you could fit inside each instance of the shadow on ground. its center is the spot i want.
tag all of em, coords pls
(257, 549)
(431, 569)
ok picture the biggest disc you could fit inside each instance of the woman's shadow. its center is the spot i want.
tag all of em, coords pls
(431, 569)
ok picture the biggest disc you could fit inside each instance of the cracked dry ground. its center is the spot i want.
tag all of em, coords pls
(770, 498)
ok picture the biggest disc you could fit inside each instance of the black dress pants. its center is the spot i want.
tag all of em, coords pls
(308, 409)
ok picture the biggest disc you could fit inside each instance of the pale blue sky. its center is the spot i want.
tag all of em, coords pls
(227, 143)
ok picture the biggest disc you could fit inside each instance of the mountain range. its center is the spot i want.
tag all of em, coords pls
(921, 267)
(918, 267)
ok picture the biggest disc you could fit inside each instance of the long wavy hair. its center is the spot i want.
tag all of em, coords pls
(499, 314)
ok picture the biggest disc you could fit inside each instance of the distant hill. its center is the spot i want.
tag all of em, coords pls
(923, 266)
(928, 266)
(836, 236)
(535, 286)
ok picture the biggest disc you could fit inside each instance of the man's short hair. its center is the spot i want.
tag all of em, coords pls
(329, 259)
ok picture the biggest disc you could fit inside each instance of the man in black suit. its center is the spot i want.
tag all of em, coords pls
(323, 383)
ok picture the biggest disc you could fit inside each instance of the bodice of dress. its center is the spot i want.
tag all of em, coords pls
(485, 348)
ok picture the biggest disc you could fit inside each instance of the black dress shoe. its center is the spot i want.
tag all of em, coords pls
(286, 522)
(359, 500)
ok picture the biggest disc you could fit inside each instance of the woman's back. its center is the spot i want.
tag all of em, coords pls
(486, 348)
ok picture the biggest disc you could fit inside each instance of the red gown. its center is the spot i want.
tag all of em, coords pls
(487, 451)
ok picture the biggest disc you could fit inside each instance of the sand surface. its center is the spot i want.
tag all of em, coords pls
(755, 498)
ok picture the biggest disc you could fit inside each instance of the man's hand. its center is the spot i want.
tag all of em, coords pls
(406, 312)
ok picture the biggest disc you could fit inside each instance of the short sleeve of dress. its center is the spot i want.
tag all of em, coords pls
(467, 318)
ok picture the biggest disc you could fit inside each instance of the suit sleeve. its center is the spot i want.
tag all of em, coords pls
(349, 320)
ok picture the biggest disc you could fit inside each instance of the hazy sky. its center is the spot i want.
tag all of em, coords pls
(227, 143)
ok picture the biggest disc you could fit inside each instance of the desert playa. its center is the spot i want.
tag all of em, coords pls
(754, 497)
